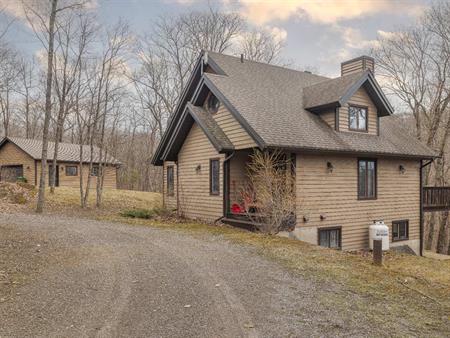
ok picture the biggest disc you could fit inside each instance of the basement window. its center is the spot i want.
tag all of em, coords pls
(400, 230)
(170, 181)
(330, 237)
(214, 176)
(357, 118)
(71, 170)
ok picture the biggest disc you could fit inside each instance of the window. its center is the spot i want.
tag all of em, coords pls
(330, 238)
(214, 172)
(367, 179)
(94, 171)
(170, 181)
(400, 230)
(213, 104)
(71, 170)
(357, 118)
(10, 173)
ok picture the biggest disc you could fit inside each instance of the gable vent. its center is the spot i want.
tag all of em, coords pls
(358, 64)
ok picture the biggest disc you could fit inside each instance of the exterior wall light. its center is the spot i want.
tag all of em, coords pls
(305, 219)
(323, 217)
(198, 169)
(401, 168)
(330, 167)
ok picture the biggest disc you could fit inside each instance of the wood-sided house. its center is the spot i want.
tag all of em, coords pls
(20, 157)
(353, 161)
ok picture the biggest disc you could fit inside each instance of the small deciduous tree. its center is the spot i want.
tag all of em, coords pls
(269, 194)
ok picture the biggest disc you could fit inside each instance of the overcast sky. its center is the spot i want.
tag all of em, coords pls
(318, 34)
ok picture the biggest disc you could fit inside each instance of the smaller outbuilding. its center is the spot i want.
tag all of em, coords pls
(20, 158)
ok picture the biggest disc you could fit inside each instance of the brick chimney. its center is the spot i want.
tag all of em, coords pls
(358, 64)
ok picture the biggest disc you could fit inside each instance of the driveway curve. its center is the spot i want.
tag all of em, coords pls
(116, 280)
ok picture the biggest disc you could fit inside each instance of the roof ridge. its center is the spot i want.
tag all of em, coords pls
(268, 64)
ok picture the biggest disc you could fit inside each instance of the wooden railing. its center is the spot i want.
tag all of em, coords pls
(436, 198)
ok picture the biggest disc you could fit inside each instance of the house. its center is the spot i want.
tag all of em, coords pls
(353, 161)
(20, 157)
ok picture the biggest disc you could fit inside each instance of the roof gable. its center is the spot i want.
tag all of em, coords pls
(270, 103)
(337, 92)
(207, 124)
(6, 140)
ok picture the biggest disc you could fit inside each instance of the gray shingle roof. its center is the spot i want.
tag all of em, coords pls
(210, 127)
(328, 91)
(270, 100)
(67, 152)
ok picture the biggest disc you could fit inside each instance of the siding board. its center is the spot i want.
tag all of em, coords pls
(335, 195)
(360, 98)
(195, 200)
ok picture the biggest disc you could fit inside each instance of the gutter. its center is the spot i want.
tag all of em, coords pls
(422, 166)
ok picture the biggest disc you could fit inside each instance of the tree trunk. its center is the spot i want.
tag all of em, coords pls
(48, 108)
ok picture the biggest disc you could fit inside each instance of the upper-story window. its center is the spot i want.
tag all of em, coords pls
(213, 104)
(357, 118)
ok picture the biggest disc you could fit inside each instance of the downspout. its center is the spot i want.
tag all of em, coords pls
(422, 165)
(226, 178)
(178, 190)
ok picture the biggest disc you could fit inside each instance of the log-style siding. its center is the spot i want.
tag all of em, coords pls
(10, 154)
(233, 129)
(329, 117)
(334, 195)
(170, 202)
(194, 199)
(360, 98)
(109, 172)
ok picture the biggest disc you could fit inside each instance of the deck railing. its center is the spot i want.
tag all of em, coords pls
(436, 198)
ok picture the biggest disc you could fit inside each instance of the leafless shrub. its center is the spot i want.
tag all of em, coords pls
(269, 198)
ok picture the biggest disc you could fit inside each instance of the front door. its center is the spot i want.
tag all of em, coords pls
(10, 173)
(50, 172)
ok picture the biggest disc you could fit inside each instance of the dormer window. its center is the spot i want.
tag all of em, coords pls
(213, 104)
(357, 118)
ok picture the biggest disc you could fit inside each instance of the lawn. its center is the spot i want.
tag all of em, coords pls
(67, 200)
(413, 290)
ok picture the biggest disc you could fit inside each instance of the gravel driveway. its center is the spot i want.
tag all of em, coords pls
(116, 280)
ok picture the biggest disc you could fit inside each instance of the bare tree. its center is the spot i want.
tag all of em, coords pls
(262, 46)
(415, 65)
(73, 37)
(50, 34)
(27, 89)
(9, 71)
(268, 197)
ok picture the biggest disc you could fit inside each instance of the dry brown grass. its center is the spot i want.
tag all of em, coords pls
(67, 200)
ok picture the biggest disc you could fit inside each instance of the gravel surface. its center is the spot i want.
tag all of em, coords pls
(115, 280)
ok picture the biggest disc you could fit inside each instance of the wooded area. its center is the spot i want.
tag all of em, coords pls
(414, 68)
(105, 86)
